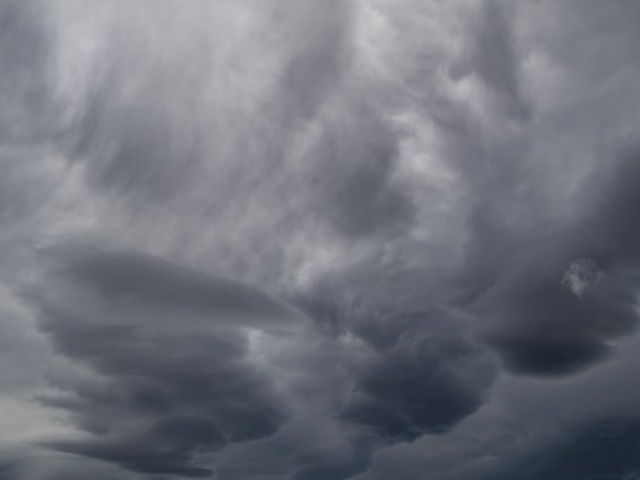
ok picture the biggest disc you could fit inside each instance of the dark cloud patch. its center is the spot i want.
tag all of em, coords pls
(603, 448)
(543, 356)
(425, 381)
(607, 447)
(545, 328)
(550, 316)
(416, 372)
(9, 470)
(163, 392)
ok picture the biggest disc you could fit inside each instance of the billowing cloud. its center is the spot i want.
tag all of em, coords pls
(427, 380)
(165, 349)
(291, 239)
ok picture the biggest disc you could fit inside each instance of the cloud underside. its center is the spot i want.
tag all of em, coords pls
(300, 240)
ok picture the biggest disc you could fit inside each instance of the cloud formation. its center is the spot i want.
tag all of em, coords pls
(166, 350)
(302, 240)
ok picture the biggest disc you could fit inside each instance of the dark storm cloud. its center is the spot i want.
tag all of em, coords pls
(169, 387)
(306, 449)
(518, 251)
(604, 448)
(434, 184)
(427, 380)
(421, 375)
(540, 325)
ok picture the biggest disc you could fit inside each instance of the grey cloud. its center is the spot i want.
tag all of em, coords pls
(308, 448)
(309, 133)
(25, 96)
(526, 354)
(336, 453)
(614, 221)
(8, 470)
(359, 155)
(543, 328)
(155, 145)
(130, 456)
(33, 464)
(539, 325)
(518, 249)
(416, 177)
(601, 448)
(132, 278)
(421, 375)
(164, 391)
(427, 381)
(27, 117)
(320, 61)
(492, 56)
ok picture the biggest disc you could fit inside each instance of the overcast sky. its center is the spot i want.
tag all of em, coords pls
(319, 239)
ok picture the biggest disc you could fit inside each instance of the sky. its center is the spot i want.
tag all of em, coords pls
(319, 240)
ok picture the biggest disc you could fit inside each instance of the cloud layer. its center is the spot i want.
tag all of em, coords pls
(302, 240)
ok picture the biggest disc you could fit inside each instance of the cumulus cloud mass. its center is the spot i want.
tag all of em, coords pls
(319, 239)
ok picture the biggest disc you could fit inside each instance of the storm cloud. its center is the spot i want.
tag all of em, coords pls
(304, 240)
